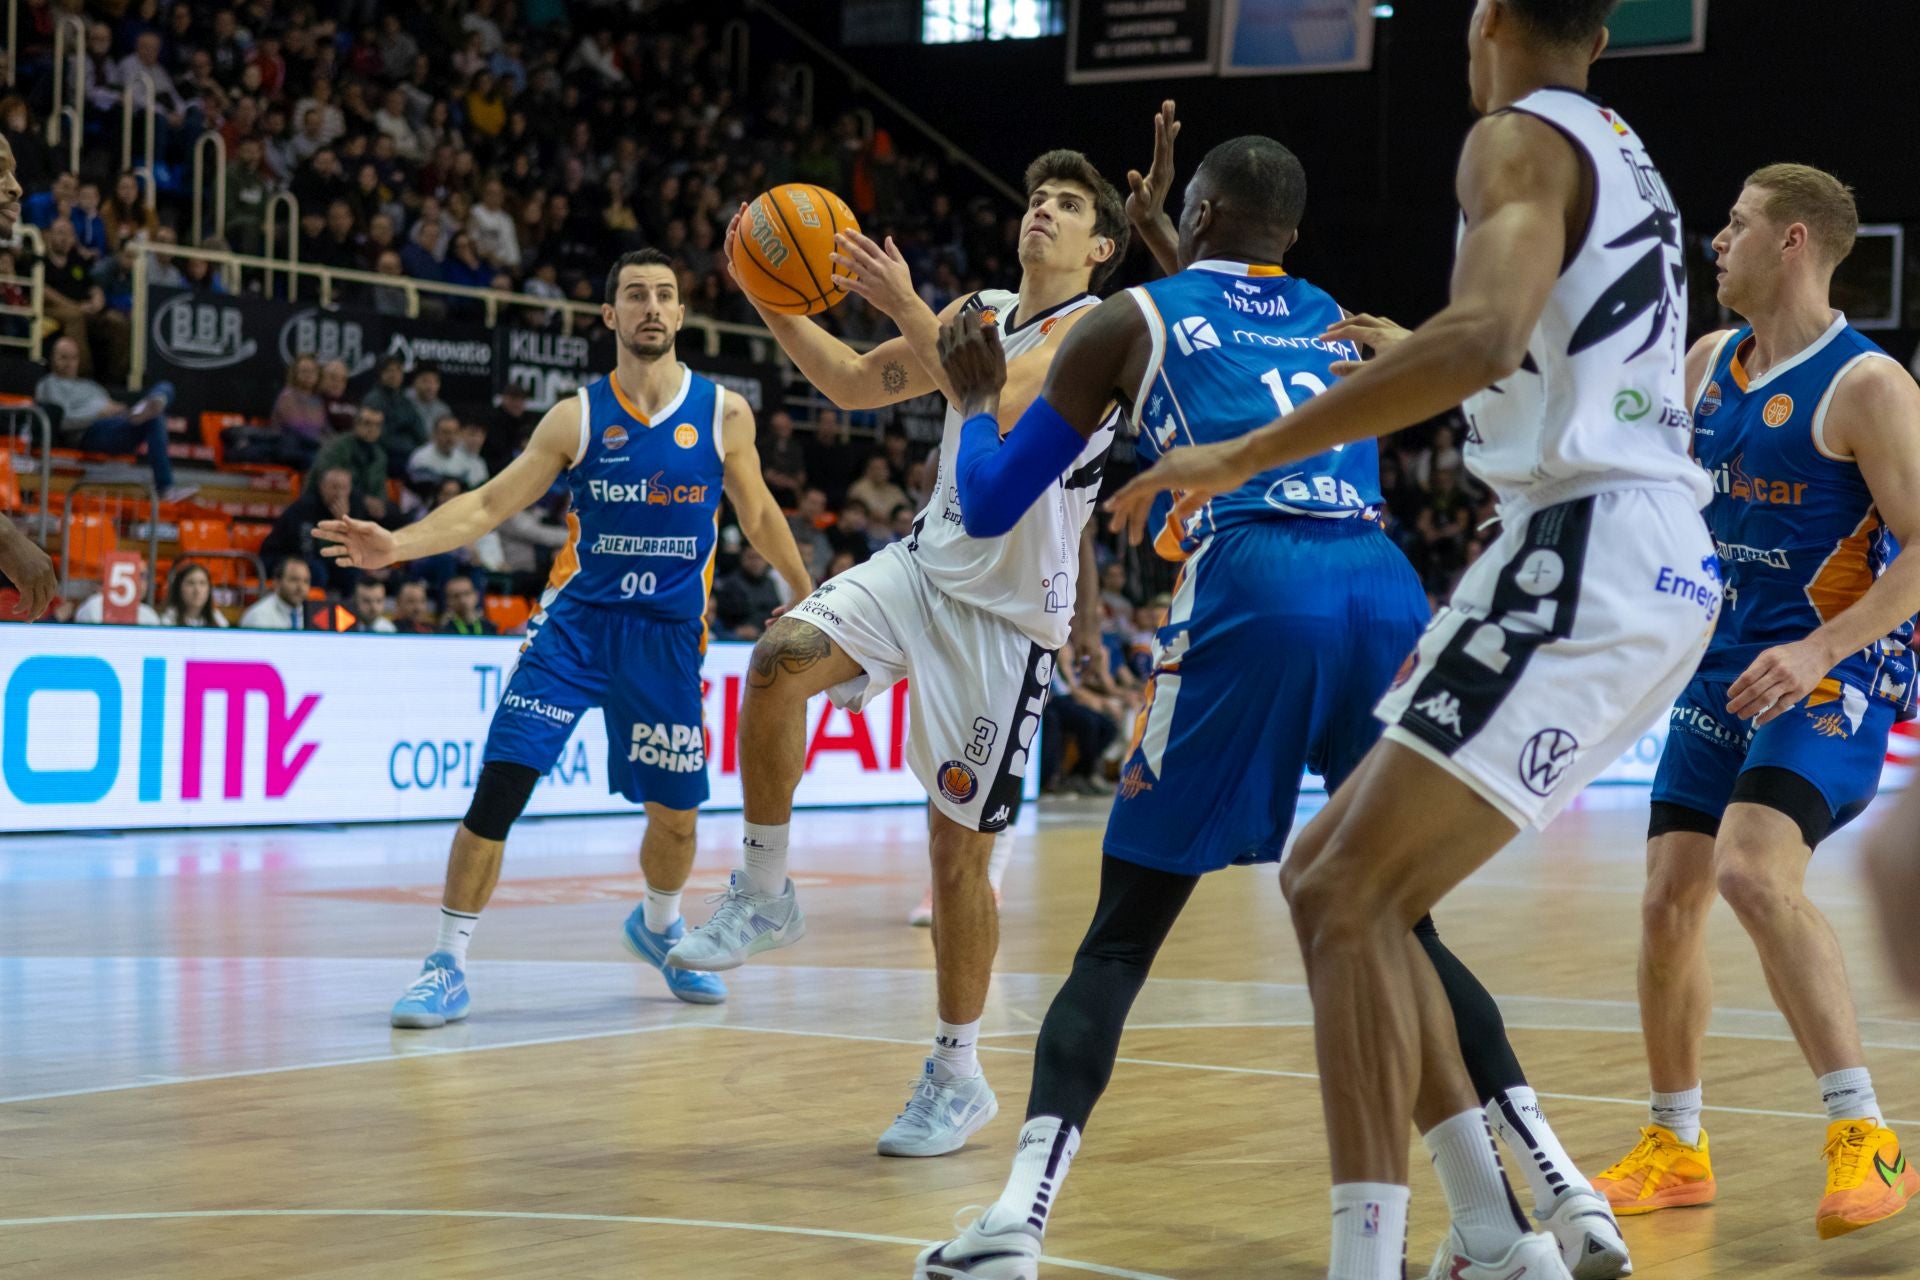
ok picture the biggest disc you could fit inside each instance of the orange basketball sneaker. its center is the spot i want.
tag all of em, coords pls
(1868, 1177)
(1660, 1173)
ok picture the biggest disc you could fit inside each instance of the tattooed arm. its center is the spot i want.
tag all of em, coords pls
(888, 374)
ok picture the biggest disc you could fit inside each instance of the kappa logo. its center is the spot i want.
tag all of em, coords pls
(1195, 334)
(997, 819)
(1443, 709)
(1778, 410)
(1545, 759)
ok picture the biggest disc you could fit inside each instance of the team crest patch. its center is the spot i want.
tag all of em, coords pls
(957, 782)
(1710, 402)
(614, 437)
(1778, 410)
(1545, 760)
(686, 435)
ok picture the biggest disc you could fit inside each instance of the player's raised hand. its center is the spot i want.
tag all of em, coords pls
(1778, 679)
(362, 544)
(1147, 195)
(1193, 473)
(879, 275)
(975, 362)
(1376, 333)
(30, 570)
(729, 244)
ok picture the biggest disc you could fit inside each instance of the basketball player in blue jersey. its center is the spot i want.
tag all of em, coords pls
(1812, 436)
(647, 451)
(1292, 614)
(1563, 338)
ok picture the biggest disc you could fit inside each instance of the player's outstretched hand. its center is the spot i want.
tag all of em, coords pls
(1376, 333)
(1147, 195)
(881, 276)
(1777, 680)
(1193, 473)
(361, 544)
(975, 362)
(30, 570)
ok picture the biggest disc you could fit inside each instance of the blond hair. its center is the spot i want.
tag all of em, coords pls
(1801, 193)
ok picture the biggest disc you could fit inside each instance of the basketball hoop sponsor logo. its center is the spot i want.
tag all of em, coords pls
(1545, 759)
(957, 782)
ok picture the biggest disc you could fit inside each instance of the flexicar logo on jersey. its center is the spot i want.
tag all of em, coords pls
(1731, 479)
(957, 782)
(655, 491)
(1194, 334)
(614, 437)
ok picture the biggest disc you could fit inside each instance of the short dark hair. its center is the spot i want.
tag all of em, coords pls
(1259, 180)
(1563, 22)
(633, 258)
(1109, 210)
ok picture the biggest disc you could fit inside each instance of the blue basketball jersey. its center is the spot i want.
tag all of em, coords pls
(1795, 525)
(646, 502)
(1234, 347)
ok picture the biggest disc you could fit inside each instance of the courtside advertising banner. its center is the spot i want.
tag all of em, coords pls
(110, 728)
(1294, 37)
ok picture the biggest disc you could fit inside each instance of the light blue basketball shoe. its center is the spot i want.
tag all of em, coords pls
(690, 985)
(438, 996)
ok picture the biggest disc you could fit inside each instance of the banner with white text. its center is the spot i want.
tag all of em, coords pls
(106, 728)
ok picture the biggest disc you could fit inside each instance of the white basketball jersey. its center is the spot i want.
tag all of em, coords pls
(1600, 402)
(1028, 576)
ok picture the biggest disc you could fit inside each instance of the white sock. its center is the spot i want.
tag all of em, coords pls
(1679, 1112)
(1369, 1231)
(1041, 1155)
(1849, 1095)
(766, 853)
(661, 909)
(953, 1051)
(456, 930)
(1481, 1203)
(997, 860)
(1519, 1122)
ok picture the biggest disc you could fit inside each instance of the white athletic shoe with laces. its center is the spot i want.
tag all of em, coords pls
(1589, 1235)
(940, 1116)
(744, 924)
(1532, 1257)
(1010, 1252)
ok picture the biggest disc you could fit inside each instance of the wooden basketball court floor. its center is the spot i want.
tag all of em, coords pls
(197, 1078)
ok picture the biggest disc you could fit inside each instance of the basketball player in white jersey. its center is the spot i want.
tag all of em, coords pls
(973, 621)
(1557, 649)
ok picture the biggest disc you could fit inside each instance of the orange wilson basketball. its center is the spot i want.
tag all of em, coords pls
(782, 250)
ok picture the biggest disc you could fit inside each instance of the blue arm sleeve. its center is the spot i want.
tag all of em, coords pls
(999, 479)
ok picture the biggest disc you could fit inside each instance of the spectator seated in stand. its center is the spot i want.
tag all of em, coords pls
(299, 413)
(464, 615)
(850, 533)
(285, 607)
(79, 306)
(190, 598)
(339, 406)
(747, 597)
(362, 456)
(809, 532)
(94, 608)
(413, 610)
(368, 604)
(782, 460)
(442, 458)
(402, 431)
(875, 489)
(292, 533)
(94, 421)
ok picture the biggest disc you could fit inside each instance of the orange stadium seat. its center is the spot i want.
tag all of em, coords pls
(9, 483)
(509, 613)
(91, 535)
(210, 533)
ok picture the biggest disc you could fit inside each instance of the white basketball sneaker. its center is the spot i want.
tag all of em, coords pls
(1532, 1257)
(1589, 1235)
(940, 1116)
(1011, 1252)
(744, 924)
